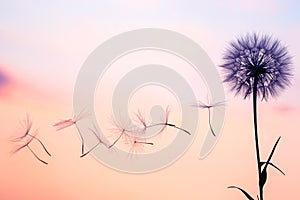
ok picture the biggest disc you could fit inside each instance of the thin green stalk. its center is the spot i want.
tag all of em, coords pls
(256, 135)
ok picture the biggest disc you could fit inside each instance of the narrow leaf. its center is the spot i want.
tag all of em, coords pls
(263, 175)
(262, 163)
(272, 152)
(243, 191)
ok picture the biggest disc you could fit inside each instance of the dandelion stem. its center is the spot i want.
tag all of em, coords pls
(139, 142)
(81, 137)
(168, 124)
(94, 147)
(211, 128)
(37, 139)
(256, 134)
(123, 131)
(36, 155)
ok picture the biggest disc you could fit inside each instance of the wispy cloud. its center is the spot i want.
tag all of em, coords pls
(285, 108)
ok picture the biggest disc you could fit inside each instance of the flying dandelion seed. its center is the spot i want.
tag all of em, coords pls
(122, 130)
(201, 105)
(27, 125)
(258, 65)
(166, 124)
(100, 141)
(142, 120)
(138, 146)
(27, 145)
(121, 134)
(62, 124)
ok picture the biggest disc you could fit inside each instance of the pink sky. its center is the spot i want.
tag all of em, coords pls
(41, 52)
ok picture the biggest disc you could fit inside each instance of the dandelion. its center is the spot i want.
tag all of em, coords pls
(260, 66)
(25, 136)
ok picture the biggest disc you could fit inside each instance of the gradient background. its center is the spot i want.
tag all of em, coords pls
(42, 47)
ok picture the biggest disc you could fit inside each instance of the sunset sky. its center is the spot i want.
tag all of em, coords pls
(44, 45)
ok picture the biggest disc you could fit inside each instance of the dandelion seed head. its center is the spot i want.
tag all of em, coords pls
(260, 57)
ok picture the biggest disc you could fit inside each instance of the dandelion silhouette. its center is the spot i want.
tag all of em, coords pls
(62, 124)
(260, 66)
(201, 105)
(27, 134)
